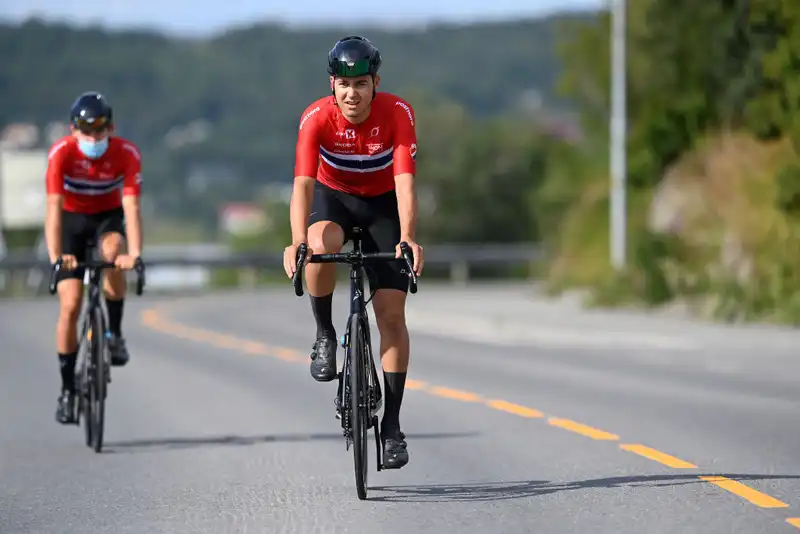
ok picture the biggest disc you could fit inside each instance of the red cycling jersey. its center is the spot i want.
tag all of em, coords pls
(360, 159)
(92, 186)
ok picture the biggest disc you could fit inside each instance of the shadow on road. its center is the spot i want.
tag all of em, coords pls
(497, 491)
(143, 445)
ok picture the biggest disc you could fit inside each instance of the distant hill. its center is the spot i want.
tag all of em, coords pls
(248, 87)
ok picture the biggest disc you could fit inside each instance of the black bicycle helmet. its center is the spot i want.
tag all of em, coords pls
(353, 56)
(91, 112)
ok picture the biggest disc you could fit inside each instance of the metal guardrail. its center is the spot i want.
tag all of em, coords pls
(444, 254)
(458, 257)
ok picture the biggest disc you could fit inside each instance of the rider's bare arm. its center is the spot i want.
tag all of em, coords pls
(305, 172)
(300, 207)
(406, 205)
(131, 193)
(52, 226)
(54, 183)
(405, 165)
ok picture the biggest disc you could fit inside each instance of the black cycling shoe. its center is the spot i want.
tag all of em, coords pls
(119, 351)
(323, 359)
(65, 412)
(395, 450)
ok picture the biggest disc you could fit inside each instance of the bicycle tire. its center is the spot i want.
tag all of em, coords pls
(85, 389)
(98, 375)
(359, 404)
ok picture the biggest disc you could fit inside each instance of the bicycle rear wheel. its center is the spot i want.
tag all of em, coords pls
(97, 391)
(359, 403)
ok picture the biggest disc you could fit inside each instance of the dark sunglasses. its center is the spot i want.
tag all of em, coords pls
(93, 125)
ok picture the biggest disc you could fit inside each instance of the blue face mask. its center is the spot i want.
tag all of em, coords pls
(93, 149)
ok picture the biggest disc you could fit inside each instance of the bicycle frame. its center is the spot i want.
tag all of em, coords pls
(358, 308)
(93, 280)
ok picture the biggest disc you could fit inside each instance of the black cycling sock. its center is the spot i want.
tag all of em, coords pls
(67, 363)
(394, 384)
(321, 306)
(115, 315)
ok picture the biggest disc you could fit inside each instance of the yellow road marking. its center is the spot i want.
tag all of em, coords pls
(794, 521)
(582, 429)
(746, 492)
(414, 384)
(455, 394)
(227, 342)
(516, 409)
(658, 456)
(253, 347)
(150, 317)
(286, 354)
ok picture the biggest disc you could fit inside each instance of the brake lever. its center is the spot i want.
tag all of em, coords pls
(408, 255)
(55, 270)
(297, 277)
(138, 266)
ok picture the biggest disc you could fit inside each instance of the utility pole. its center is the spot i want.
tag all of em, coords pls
(617, 215)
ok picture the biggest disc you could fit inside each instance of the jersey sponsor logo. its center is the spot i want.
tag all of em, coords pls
(408, 111)
(344, 148)
(373, 148)
(308, 116)
(347, 134)
(413, 151)
(375, 132)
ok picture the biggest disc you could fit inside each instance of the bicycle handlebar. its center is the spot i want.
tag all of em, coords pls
(352, 258)
(138, 267)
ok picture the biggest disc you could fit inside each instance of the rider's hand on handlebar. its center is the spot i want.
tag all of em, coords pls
(417, 253)
(69, 262)
(290, 258)
(124, 262)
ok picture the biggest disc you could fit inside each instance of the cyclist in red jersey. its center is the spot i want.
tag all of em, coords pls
(93, 186)
(355, 166)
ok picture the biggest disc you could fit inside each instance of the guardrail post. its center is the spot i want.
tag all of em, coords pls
(459, 272)
(248, 277)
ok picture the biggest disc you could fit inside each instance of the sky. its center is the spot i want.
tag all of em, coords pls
(203, 17)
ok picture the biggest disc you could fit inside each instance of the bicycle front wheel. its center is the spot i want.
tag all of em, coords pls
(98, 379)
(85, 390)
(359, 402)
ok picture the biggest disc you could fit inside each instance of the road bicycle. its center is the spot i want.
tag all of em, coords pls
(359, 396)
(93, 351)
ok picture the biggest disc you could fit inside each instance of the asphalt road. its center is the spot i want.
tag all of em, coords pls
(521, 417)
